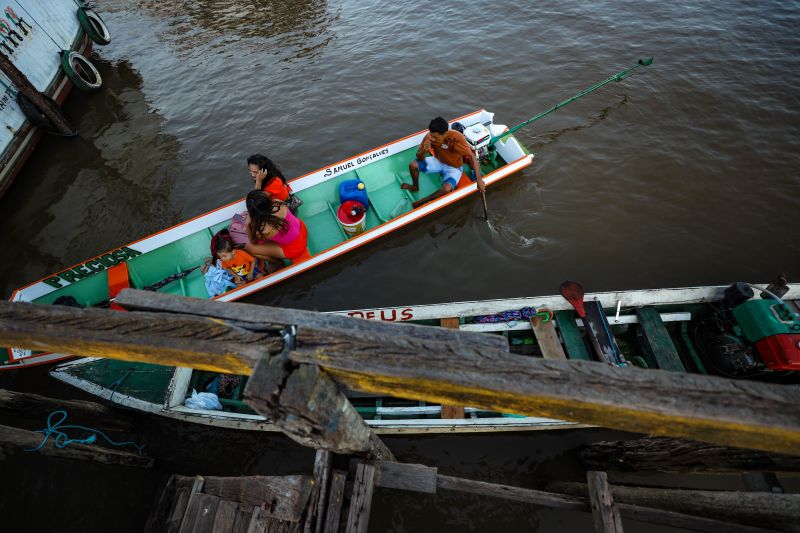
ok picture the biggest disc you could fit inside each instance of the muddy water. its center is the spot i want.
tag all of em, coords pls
(684, 174)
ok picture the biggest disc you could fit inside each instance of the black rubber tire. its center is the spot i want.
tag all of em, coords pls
(94, 26)
(76, 66)
(37, 118)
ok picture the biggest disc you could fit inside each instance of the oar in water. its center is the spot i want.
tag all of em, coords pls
(485, 209)
(619, 76)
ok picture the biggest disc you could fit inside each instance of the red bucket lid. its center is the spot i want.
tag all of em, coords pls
(345, 215)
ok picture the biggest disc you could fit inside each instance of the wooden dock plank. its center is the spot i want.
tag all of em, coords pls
(157, 521)
(547, 338)
(244, 513)
(187, 522)
(225, 516)
(316, 507)
(361, 500)
(282, 497)
(656, 341)
(604, 513)
(178, 510)
(333, 512)
(202, 514)
(571, 336)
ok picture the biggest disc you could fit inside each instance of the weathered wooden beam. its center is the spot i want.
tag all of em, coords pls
(23, 406)
(315, 325)
(199, 342)
(307, 405)
(581, 503)
(713, 409)
(405, 476)
(361, 500)
(604, 513)
(404, 361)
(752, 509)
(14, 440)
(451, 411)
(664, 454)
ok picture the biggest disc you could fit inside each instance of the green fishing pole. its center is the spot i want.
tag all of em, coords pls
(616, 77)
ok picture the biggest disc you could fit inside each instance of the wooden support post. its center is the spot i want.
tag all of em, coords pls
(664, 454)
(316, 507)
(13, 440)
(361, 500)
(45, 105)
(333, 512)
(308, 406)
(451, 411)
(435, 365)
(604, 513)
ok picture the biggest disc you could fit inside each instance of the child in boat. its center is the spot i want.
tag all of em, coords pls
(449, 150)
(238, 263)
(273, 232)
(268, 177)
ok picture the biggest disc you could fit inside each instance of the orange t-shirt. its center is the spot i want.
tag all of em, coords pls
(242, 263)
(452, 150)
(277, 189)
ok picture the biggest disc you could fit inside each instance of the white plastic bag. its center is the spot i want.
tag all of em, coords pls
(203, 400)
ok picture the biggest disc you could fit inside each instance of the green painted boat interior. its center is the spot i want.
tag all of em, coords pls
(382, 179)
(139, 380)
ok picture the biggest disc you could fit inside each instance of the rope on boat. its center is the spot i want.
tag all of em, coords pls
(62, 440)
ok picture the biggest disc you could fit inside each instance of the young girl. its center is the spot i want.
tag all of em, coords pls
(268, 177)
(238, 263)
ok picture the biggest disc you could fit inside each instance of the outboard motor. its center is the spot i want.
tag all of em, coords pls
(478, 137)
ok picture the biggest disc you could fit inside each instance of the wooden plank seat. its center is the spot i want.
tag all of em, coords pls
(571, 335)
(656, 342)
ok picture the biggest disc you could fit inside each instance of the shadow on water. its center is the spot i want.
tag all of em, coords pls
(119, 169)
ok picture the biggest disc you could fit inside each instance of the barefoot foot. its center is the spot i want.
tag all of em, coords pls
(409, 187)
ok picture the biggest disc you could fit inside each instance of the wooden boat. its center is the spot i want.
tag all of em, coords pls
(155, 260)
(673, 329)
(31, 34)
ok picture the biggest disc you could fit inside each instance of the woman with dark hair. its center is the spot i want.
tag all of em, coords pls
(268, 177)
(273, 232)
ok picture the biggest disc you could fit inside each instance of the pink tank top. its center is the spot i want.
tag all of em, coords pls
(292, 231)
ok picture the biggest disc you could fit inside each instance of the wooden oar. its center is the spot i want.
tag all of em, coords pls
(572, 291)
(485, 209)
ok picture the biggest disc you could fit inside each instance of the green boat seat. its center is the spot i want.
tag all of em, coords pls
(88, 291)
(571, 336)
(655, 340)
(160, 263)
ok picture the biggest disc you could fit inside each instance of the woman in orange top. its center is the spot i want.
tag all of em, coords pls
(268, 177)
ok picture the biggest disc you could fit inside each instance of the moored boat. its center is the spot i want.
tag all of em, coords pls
(43, 46)
(169, 261)
(723, 330)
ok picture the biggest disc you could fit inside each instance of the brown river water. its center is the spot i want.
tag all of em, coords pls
(687, 173)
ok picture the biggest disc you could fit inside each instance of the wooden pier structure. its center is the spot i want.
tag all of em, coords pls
(298, 362)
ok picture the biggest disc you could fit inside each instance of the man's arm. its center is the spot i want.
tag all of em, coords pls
(476, 166)
(424, 147)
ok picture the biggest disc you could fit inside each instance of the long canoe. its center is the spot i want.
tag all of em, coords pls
(671, 329)
(153, 260)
